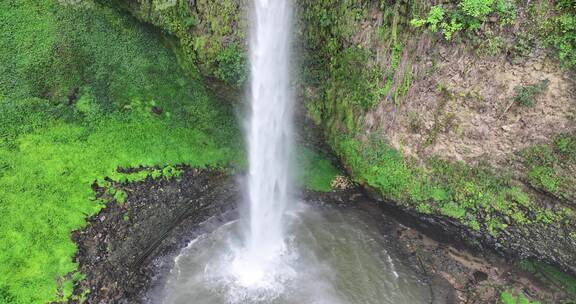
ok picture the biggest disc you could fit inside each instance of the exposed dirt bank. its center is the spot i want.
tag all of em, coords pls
(127, 248)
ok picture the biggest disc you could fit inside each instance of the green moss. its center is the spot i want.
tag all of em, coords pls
(90, 91)
(316, 171)
(508, 297)
(476, 196)
(210, 33)
(120, 196)
(550, 275)
(231, 65)
(351, 83)
(548, 166)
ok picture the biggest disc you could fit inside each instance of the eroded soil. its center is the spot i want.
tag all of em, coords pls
(465, 109)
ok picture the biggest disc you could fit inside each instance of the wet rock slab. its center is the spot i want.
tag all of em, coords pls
(119, 250)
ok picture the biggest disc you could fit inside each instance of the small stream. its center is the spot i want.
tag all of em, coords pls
(333, 255)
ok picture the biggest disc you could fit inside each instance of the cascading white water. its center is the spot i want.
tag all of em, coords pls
(270, 131)
(269, 134)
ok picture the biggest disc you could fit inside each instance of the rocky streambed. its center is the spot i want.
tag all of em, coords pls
(127, 249)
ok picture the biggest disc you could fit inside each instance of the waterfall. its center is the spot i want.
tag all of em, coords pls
(269, 137)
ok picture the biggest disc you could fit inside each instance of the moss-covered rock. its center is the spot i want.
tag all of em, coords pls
(211, 34)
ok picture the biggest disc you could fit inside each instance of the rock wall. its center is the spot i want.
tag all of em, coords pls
(463, 115)
(441, 127)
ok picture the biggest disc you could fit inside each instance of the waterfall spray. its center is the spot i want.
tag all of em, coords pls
(270, 130)
(269, 133)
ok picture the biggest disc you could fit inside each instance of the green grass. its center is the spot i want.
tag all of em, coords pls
(51, 151)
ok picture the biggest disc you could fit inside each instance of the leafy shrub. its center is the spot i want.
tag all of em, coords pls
(477, 8)
(435, 17)
(507, 11)
(231, 65)
(449, 28)
(526, 96)
(562, 32)
(468, 15)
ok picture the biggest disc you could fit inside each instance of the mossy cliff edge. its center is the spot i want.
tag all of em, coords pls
(461, 112)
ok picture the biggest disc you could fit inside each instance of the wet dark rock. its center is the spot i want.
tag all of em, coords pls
(73, 96)
(119, 250)
(549, 243)
(480, 276)
(156, 110)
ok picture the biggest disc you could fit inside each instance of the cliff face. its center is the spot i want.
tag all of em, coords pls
(474, 133)
(462, 113)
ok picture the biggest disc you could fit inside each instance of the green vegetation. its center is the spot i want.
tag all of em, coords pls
(508, 297)
(550, 275)
(211, 33)
(559, 30)
(351, 79)
(467, 15)
(527, 96)
(84, 91)
(316, 171)
(84, 94)
(347, 85)
(434, 20)
(553, 22)
(549, 167)
(476, 196)
(231, 65)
